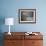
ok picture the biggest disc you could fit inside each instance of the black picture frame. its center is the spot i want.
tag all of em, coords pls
(27, 15)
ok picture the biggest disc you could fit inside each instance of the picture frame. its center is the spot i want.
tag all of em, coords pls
(27, 15)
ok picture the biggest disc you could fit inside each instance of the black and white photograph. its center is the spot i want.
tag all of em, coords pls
(27, 15)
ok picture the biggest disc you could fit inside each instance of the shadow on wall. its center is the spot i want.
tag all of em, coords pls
(2, 21)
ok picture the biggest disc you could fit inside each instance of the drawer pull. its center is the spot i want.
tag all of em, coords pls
(33, 42)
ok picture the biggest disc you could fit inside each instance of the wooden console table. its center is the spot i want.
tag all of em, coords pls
(20, 39)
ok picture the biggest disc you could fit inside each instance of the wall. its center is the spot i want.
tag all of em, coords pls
(9, 8)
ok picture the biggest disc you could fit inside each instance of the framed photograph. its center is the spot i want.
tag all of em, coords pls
(27, 15)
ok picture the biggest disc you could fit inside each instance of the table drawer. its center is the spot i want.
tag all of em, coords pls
(9, 43)
(13, 43)
(33, 43)
(34, 37)
(16, 37)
